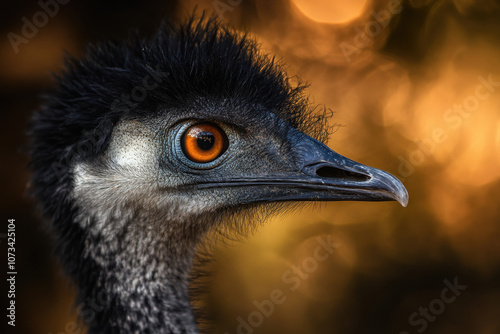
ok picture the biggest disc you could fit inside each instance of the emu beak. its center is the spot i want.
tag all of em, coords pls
(319, 174)
(345, 179)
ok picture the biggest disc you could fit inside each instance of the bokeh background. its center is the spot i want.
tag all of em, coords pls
(408, 85)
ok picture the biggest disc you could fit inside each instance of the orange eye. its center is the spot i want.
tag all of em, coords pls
(204, 143)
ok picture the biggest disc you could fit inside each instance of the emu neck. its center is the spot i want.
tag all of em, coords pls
(139, 278)
(136, 252)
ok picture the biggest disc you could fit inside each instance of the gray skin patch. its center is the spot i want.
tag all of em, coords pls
(126, 182)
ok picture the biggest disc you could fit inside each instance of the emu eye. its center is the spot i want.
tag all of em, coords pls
(203, 143)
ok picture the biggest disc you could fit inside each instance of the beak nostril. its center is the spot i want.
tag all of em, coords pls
(337, 173)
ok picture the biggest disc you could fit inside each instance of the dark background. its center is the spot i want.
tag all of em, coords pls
(388, 97)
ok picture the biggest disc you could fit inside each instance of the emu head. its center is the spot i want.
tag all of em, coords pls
(146, 145)
(179, 130)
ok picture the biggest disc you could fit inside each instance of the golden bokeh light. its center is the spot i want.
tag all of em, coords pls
(328, 11)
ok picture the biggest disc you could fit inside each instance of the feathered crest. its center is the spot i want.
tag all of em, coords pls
(184, 63)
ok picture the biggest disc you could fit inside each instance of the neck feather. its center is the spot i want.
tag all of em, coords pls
(135, 279)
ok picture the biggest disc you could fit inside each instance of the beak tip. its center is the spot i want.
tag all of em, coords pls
(394, 187)
(402, 196)
(390, 185)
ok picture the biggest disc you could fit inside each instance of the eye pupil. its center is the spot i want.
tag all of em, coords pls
(205, 140)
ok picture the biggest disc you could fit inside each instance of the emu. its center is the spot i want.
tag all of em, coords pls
(146, 145)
